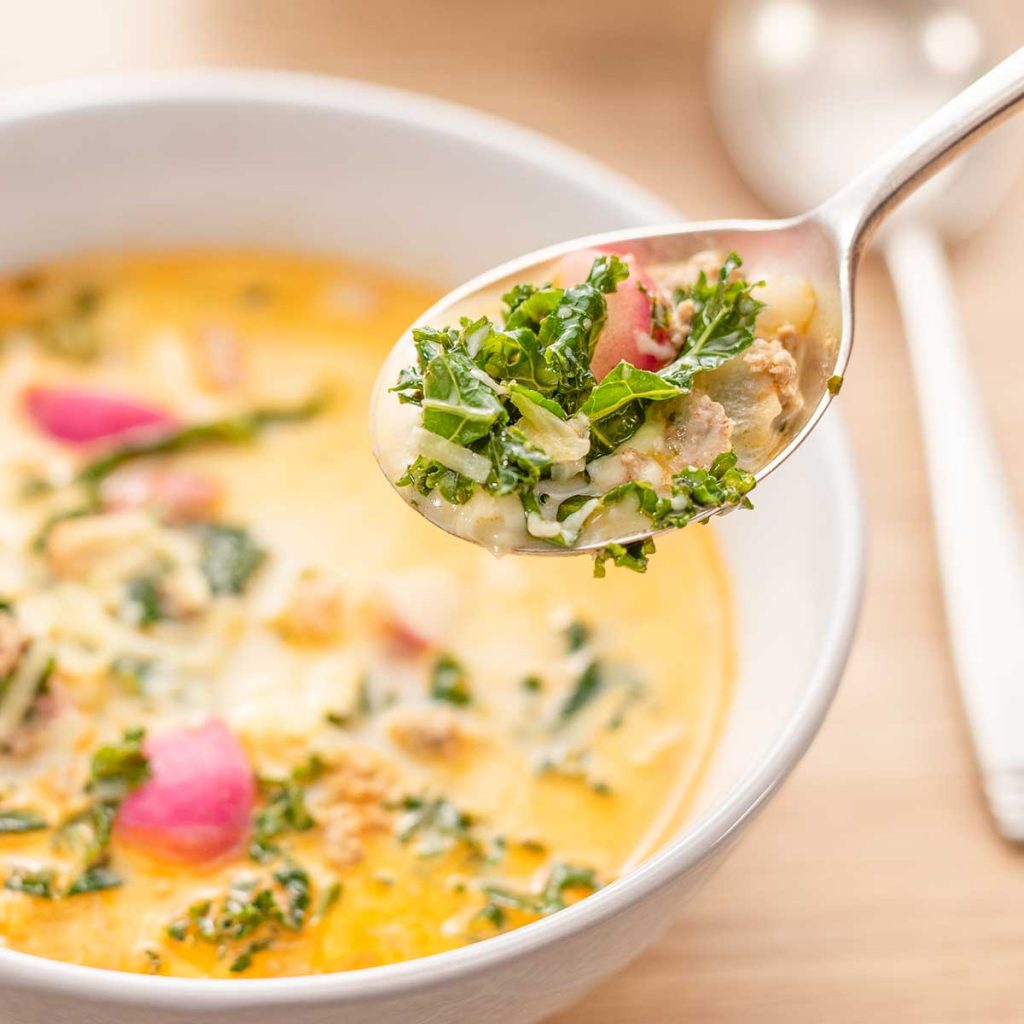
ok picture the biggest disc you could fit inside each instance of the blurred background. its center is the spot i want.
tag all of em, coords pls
(874, 889)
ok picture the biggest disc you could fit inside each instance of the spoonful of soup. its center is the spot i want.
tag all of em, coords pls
(591, 395)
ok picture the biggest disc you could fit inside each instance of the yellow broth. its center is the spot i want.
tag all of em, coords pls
(598, 788)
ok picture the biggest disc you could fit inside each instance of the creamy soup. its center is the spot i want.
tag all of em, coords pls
(259, 718)
(611, 400)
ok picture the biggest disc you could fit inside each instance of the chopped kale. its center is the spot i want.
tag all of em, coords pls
(116, 770)
(94, 879)
(629, 556)
(722, 325)
(575, 766)
(448, 682)
(617, 407)
(229, 557)
(243, 961)
(428, 475)
(119, 768)
(562, 878)
(249, 917)
(436, 826)
(39, 882)
(586, 688)
(457, 404)
(577, 635)
(284, 810)
(143, 604)
(328, 900)
(13, 822)
(88, 831)
(295, 883)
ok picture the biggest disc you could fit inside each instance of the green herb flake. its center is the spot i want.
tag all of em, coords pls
(229, 557)
(284, 809)
(329, 899)
(448, 682)
(143, 604)
(722, 326)
(629, 556)
(32, 882)
(436, 826)
(562, 878)
(13, 822)
(835, 384)
(249, 917)
(115, 771)
(119, 768)
(94, 879)
(577, 635)
(588, 685)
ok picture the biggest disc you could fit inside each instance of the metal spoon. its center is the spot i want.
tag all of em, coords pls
(822, 246)
(920, 54)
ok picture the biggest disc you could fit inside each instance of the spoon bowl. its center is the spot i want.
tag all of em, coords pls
(822, 246)
(805, 247)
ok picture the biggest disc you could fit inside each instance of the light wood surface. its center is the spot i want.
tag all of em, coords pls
(873, 888)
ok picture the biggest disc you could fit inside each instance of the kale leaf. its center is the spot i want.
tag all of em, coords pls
(284, 809)
(115, 771)
(16, 821)
(587, 686)
(428, 475)
(617, 407)
(562, 878)
(251, 912)
(722, 324)
(94, 879)
(629, 556)
(569, 333)
(457, 404)
(448, 682)
(515, 354)
(32, 882)
(229, 557)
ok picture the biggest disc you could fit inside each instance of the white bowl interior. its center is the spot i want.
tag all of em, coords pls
(409, 184)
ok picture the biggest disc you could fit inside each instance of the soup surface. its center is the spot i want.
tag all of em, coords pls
(257, 716)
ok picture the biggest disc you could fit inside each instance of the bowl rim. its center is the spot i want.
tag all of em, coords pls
(716, 827)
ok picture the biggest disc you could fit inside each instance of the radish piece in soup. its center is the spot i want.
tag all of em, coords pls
(198, 800)
(77, 416)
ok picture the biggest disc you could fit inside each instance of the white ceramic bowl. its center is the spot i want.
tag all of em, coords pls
(308, 163)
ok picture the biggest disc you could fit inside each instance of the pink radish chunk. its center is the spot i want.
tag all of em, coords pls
(629, 320)
(198, 801)
(77, 416)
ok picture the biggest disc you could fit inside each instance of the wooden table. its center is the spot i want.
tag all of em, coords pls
(873, 888)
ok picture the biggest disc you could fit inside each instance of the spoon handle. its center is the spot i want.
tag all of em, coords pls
(857, 209)
(977, 537)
